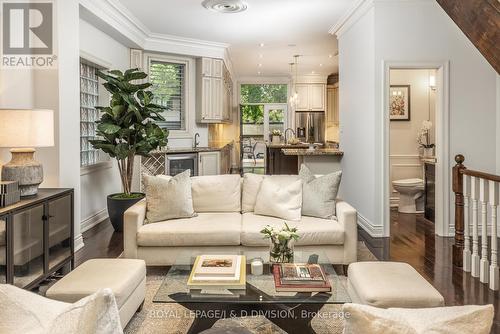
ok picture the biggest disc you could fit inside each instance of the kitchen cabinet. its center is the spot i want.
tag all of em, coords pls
(214, 91)
(209, 163)
(277, 163)
(332, 105)
(312, 97)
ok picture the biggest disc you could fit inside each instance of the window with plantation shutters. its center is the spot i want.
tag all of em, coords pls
(168, 81)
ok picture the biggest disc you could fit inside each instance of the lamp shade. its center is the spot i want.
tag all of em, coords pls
(26, 128)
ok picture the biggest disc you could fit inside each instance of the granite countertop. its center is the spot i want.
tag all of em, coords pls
(216, 146)
(283, 145)
(318, 151)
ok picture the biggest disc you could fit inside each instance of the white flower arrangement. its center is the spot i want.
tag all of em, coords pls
(281, 250)
(423, 138)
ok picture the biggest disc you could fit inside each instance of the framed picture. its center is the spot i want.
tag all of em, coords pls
(399, 103)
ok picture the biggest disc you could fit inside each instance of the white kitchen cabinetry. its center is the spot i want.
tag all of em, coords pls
(209, 163)
(332, 105)
(312, 97)
(214, 91)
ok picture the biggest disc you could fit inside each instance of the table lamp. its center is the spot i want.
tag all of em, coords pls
(22, 130)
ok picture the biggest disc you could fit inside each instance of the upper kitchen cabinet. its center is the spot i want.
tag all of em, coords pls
(312, 97)
(214, 91)
(332, 104)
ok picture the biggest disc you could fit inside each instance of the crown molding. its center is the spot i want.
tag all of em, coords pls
(353, 14)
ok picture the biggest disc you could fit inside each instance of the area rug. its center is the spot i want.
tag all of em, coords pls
(158, 318)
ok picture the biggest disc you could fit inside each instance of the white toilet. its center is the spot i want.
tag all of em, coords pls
(411, 191)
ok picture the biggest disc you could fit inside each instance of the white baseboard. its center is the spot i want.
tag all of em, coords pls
(93, 220)
(371, 229)
(78, 242)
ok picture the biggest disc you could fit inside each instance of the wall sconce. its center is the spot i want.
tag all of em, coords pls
(432, 82)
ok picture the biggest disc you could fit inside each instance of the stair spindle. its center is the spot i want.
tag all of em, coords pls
(484, 263)
(494, 273)
(467, 252)
(475, 233)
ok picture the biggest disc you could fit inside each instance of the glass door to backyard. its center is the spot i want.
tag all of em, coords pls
(263, 109)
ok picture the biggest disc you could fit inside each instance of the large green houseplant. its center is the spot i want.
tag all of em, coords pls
(127, 128)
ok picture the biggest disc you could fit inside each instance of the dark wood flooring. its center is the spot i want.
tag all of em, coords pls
(412, 240)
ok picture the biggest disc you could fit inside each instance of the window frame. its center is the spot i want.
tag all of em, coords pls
(188, 89)
(103, 97)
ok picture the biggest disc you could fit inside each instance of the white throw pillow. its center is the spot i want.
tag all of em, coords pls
(469, 319)
(280, 200)
(28, 313)
(168, 198)
(319, 193)
(216, 193)
(251, 187)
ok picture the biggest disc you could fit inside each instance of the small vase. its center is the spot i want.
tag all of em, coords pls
(276, 139)
(280, 252)
(428, 152)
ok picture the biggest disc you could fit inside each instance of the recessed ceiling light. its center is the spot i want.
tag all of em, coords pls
(225, 6)
(260, 65)
(320, 65)
(312, 72)
(261, 56)
(258, 73)
(330, 56)
(261, 45)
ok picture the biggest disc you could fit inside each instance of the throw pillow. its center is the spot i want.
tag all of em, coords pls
(319, 193)
(26, 312)
(168, 198)
(251, 187)
(279, 200)
(364, 319)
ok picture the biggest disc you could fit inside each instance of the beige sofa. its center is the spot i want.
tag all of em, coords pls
(221, 225)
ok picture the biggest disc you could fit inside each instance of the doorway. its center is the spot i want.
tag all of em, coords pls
(415, 145)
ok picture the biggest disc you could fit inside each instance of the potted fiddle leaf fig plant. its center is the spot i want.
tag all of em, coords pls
(126, 128)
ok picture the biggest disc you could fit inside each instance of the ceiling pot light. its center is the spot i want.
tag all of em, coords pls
(261, 45)
(225, 6)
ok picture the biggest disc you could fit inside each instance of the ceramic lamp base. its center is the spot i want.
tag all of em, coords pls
(25, 169)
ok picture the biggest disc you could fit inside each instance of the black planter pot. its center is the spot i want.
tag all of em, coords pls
(117, 207)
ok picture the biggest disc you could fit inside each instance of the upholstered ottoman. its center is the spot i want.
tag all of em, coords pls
(125, 277)
(390, 284)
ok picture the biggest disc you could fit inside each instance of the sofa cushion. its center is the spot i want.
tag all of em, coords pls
(319, 193)
(168, 198)
(366, 319)
(122, 276)
(217, 193)
(312, 231)
(277, 200)
(206, 229)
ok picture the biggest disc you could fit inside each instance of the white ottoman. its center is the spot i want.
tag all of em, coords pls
(390, 284)
(125, 277)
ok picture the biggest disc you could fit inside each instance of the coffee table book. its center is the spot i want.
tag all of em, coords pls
(219, 283)
(316, 286)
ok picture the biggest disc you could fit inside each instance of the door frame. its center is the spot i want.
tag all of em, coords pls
(443, 226)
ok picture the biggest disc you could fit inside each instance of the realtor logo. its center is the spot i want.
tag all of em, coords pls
(27, 34)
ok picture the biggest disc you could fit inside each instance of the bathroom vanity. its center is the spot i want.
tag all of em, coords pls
(430, 188)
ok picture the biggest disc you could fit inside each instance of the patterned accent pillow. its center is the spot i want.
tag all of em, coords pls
(168, 198)
(319, 194)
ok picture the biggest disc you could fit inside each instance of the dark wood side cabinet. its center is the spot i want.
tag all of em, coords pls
(430, 188)
(36, 237)
(278, 163)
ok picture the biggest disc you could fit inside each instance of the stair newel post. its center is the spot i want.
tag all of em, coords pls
(458, 247)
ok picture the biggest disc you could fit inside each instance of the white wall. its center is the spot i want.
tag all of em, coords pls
(418, 31)
(97, 183)
(356, 118)
(404, 159)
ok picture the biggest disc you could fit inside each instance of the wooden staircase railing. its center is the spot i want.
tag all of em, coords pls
(474, 192)
(480, 22)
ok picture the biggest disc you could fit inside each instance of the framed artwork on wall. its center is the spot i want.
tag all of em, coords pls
(399, 102)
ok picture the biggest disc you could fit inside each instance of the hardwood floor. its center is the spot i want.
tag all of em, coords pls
(412, 240)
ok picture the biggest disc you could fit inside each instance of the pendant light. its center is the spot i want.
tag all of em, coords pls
(294, 97)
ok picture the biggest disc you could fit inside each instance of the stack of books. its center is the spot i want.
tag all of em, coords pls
(293, 277)
(218, 272)
(9, 193)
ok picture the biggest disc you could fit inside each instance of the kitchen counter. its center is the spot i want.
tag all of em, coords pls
(318, 151)
(283, 145)
(217, 146)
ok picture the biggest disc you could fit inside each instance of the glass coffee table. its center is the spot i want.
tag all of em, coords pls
(291, 311)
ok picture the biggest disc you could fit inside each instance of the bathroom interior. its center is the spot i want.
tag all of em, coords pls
(412, 110)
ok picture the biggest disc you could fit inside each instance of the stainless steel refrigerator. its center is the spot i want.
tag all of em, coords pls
(310, 126)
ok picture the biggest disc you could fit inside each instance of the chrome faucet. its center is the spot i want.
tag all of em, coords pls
(286, 131)
(196, 142)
